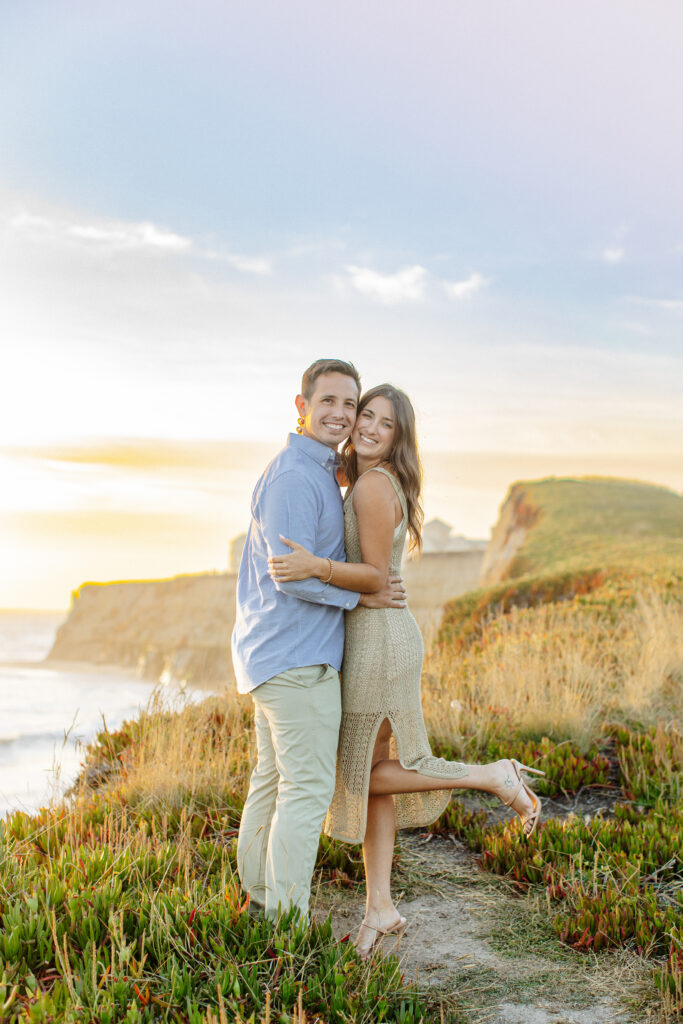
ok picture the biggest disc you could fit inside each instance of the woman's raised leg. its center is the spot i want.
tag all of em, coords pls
(502, 778)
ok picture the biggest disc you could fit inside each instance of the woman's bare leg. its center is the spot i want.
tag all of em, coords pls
(388, 777)
(378, 855)
(498, 777)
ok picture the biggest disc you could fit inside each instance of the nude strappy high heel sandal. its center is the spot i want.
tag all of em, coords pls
(529, 822)
(397, 929)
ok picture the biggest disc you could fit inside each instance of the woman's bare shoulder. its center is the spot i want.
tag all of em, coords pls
(372, 489)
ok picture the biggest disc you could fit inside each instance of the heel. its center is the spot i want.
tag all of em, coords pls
(525, 767)
(395, 930)
(529, 822)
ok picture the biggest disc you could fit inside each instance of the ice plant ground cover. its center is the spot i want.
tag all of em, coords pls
(122, 904)
(110, 915)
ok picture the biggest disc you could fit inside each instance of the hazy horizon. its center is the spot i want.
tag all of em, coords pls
(113, 509)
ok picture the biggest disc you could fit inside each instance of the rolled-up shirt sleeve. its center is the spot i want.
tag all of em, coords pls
(290, 507)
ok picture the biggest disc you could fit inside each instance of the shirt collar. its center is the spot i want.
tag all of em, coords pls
(325, 456)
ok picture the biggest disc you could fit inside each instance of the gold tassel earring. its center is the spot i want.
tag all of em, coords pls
(300, 425)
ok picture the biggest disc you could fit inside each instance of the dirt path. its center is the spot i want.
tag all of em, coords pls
(490, 954)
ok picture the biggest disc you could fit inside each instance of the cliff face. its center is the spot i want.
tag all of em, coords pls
(436, 578)
(178, 628)
(515, 519)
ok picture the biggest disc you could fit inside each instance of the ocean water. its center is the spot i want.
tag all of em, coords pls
(48, 712)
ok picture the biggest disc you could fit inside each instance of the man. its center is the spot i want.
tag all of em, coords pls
(288, 643)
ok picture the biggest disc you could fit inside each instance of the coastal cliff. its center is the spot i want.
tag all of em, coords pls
(166, 629)
(517, 515)
(569, 524)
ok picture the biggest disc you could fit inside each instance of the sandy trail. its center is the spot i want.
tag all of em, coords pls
(470, 937)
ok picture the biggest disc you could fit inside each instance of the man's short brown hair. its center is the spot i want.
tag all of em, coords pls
(321, 366)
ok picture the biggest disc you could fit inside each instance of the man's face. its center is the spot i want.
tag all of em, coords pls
(330, 413)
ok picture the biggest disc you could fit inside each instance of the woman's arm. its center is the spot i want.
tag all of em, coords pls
(374, 502)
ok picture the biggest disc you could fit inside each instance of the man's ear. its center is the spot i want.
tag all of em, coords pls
(300, 403)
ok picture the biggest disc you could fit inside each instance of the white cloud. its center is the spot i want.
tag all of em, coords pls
(248, 264)
(130, 236)
(30, 220)
(463, 289)
(613, 254)
(407, 285)
(113, 234)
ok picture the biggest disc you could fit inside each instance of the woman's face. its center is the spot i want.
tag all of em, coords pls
(375, 429)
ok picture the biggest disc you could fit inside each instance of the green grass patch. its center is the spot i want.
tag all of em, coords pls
(581, 523)
(106, 916)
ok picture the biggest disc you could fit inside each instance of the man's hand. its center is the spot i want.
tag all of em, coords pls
(392, 595)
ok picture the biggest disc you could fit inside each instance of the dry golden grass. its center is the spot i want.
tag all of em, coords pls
(555, 670)
(184, 755)
(653, 664)
(560, 671)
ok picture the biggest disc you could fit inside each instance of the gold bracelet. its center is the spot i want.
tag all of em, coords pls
(330, 574)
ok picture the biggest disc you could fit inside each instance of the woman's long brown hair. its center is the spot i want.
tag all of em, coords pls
(404, 458)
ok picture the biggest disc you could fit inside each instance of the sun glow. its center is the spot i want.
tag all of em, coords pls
(130, 509)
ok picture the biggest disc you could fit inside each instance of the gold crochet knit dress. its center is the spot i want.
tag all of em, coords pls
(381, 679)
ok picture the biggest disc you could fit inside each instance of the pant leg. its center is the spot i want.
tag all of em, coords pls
(252, 843)
(303, 709)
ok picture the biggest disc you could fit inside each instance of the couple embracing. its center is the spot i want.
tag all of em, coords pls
(319, 585)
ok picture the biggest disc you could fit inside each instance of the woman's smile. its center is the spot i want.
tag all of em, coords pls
(374, 432)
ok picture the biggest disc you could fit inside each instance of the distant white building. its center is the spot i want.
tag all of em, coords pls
(438, 537)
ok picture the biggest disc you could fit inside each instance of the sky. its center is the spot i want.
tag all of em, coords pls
(480, 202)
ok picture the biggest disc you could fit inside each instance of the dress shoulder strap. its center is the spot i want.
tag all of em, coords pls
(394, 483)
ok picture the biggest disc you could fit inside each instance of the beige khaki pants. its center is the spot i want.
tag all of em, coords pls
(296, 718)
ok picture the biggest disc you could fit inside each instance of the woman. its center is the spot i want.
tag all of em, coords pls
(375, 792)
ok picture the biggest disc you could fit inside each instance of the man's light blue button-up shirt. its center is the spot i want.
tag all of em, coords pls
(280, 626)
